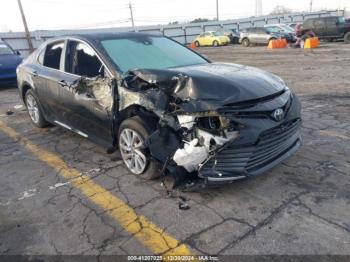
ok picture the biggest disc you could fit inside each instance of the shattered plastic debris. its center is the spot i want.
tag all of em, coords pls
(186, 121)
(29, 193)
(18, 107)
(183, 203)
(58, 185)
(208, 138)
(9, 112)
(191, 155)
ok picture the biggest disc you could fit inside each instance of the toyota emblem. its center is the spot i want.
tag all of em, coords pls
(278, 114)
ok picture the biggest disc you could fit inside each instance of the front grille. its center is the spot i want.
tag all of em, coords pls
(248, 159)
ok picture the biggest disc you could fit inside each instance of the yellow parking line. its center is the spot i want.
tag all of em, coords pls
(150, 235)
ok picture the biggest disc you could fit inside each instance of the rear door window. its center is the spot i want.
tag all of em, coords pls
(308, 23)
(261, 31)
(5, 50)
(331, 22)
(82, 60)
(53, 53)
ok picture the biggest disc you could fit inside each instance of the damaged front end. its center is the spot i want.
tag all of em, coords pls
(217, 136)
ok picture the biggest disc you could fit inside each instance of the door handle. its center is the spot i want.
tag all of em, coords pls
(34, 73)
(63, 83)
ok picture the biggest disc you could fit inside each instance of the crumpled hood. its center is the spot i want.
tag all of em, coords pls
(9, 61)
(228, 83)
(212, 85)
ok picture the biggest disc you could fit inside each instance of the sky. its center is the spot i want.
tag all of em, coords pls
(77, 14)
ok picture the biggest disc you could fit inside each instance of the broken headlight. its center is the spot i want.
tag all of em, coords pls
(216, 124)
(210, 122)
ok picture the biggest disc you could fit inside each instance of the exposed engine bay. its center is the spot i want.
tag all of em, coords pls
(191, 133)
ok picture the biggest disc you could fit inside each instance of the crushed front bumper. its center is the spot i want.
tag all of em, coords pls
(238, 162)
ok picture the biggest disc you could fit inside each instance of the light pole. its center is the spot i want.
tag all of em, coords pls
(217, 10)
(29, 40)
(310, 6)
(132, 15)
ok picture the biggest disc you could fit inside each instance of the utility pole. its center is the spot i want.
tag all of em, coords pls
(258, 7)
(29, 40)
(132, 16)
(310, 6)
(217, 10)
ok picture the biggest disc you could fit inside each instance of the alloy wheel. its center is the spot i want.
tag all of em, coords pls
(131, 144)
(33, 108)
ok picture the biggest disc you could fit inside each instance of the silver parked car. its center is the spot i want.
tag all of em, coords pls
(257, 35)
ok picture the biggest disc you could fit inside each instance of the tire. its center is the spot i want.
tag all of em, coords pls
(197, 43)
(215, 43)
(34, 110)
(245, 42)
(140, 162)
(347, 38)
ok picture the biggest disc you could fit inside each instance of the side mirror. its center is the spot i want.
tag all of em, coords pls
(17, 52)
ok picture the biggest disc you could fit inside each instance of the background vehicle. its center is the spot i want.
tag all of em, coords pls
(232, 34)
(283, 31)
(9, 60)
(283, 28)
(257, 35)
(176, 109)
(292, 25)
(328, 28)
(211, 38)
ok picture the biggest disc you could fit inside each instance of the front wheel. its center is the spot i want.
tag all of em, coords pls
(134, 151)
(347, 38)
(34, 110)
(245, 42)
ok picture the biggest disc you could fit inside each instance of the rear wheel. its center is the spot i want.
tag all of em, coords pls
(134, 151)
(197, 43)
(215, 43)
(245, 42)
(347, 38)
(34, 110)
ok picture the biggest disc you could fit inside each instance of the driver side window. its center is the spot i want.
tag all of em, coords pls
(82, 60)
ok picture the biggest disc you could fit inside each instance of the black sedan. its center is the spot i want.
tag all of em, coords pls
(165, 107)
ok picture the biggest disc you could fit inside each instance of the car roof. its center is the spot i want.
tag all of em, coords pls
(260, 27)
(323, 17)
(105, 36)
(267, 25)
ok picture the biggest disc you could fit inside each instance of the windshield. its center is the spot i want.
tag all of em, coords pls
(341, 20)
(272, 29)
(5, 50)
(149, 52)
(218, 33)
(287, 28)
